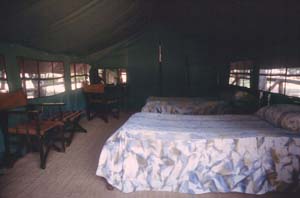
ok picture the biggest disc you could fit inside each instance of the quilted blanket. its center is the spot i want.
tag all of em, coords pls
(200, 154)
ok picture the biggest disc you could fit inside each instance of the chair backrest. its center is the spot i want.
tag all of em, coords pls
(95, 88)
(13, 100)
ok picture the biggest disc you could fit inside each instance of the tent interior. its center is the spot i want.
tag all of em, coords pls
(169, 48)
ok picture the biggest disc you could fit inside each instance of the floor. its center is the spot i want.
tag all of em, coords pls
(72, 174)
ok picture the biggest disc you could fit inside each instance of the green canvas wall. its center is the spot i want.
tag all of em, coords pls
(187, 69)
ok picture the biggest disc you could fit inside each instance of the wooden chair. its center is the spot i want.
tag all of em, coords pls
(32, 127)
(101, 101)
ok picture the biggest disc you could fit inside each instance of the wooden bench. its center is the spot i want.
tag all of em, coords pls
(71, 123)
(31, 129)
(69, 118)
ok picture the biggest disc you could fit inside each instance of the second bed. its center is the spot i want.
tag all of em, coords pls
(186, 105)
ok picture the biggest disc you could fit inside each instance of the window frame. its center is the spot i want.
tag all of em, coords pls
(119, 74)
(86, 74)
(39, 79)
(285, 75)
(4, 79)
(243, 71)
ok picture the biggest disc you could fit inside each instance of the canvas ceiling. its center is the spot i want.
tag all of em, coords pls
(86, 27)
(77, 27)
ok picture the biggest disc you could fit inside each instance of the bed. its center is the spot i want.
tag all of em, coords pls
(200, 154)
(186, 105)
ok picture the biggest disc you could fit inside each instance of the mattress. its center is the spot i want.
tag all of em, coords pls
(188, 106)
(200, 154)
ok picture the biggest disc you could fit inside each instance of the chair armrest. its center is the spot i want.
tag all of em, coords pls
(49, 104)
(23, 111)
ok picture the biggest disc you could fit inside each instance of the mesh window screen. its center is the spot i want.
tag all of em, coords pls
(3, 77)
(41, 78)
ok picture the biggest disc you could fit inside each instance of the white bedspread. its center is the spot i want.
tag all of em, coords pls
(199, 154)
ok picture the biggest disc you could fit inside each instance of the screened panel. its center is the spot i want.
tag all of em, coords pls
(2, 72)
(242, 80)
(80, 80)
(3, 86)
(276, 71)
(293, 86)
(2, 62)
(51, 87)
(45, 69)
(3, 78)
(265, 71)
(111, 76)
(293, 71)
(73, 83)
(123, 76)
(232, 79)
(293, 82)
(264, 83)
(58, 69)
(29, 69)
(31, 88)
(277, 84)
(101, 73)
(72, 70)
(41, 78)
(59, 85)
(272, 80)
(2, 68)
(46, 88)
(240, 73)
(280, 80)
(79, 74)
(81, 69)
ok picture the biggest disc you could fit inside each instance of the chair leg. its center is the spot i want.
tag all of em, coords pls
(105, 113)
(62, 138)
(115, 110)
(71, 136)
(77, 126)
(42, 153)
(88, 113)
(116, 113)
(28, 142)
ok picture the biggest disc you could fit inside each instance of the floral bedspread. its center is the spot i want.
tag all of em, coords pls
(200, 154)
(189, 106)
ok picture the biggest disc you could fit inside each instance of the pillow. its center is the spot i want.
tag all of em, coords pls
(291, 121)
(275, 113)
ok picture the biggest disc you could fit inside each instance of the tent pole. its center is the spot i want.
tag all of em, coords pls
(160, 76)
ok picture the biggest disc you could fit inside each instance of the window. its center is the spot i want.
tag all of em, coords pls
(113, 76)
(3, 77)
(79, 74)
(240, 73)
(284, 80)
(123, 76)
(41, 78)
